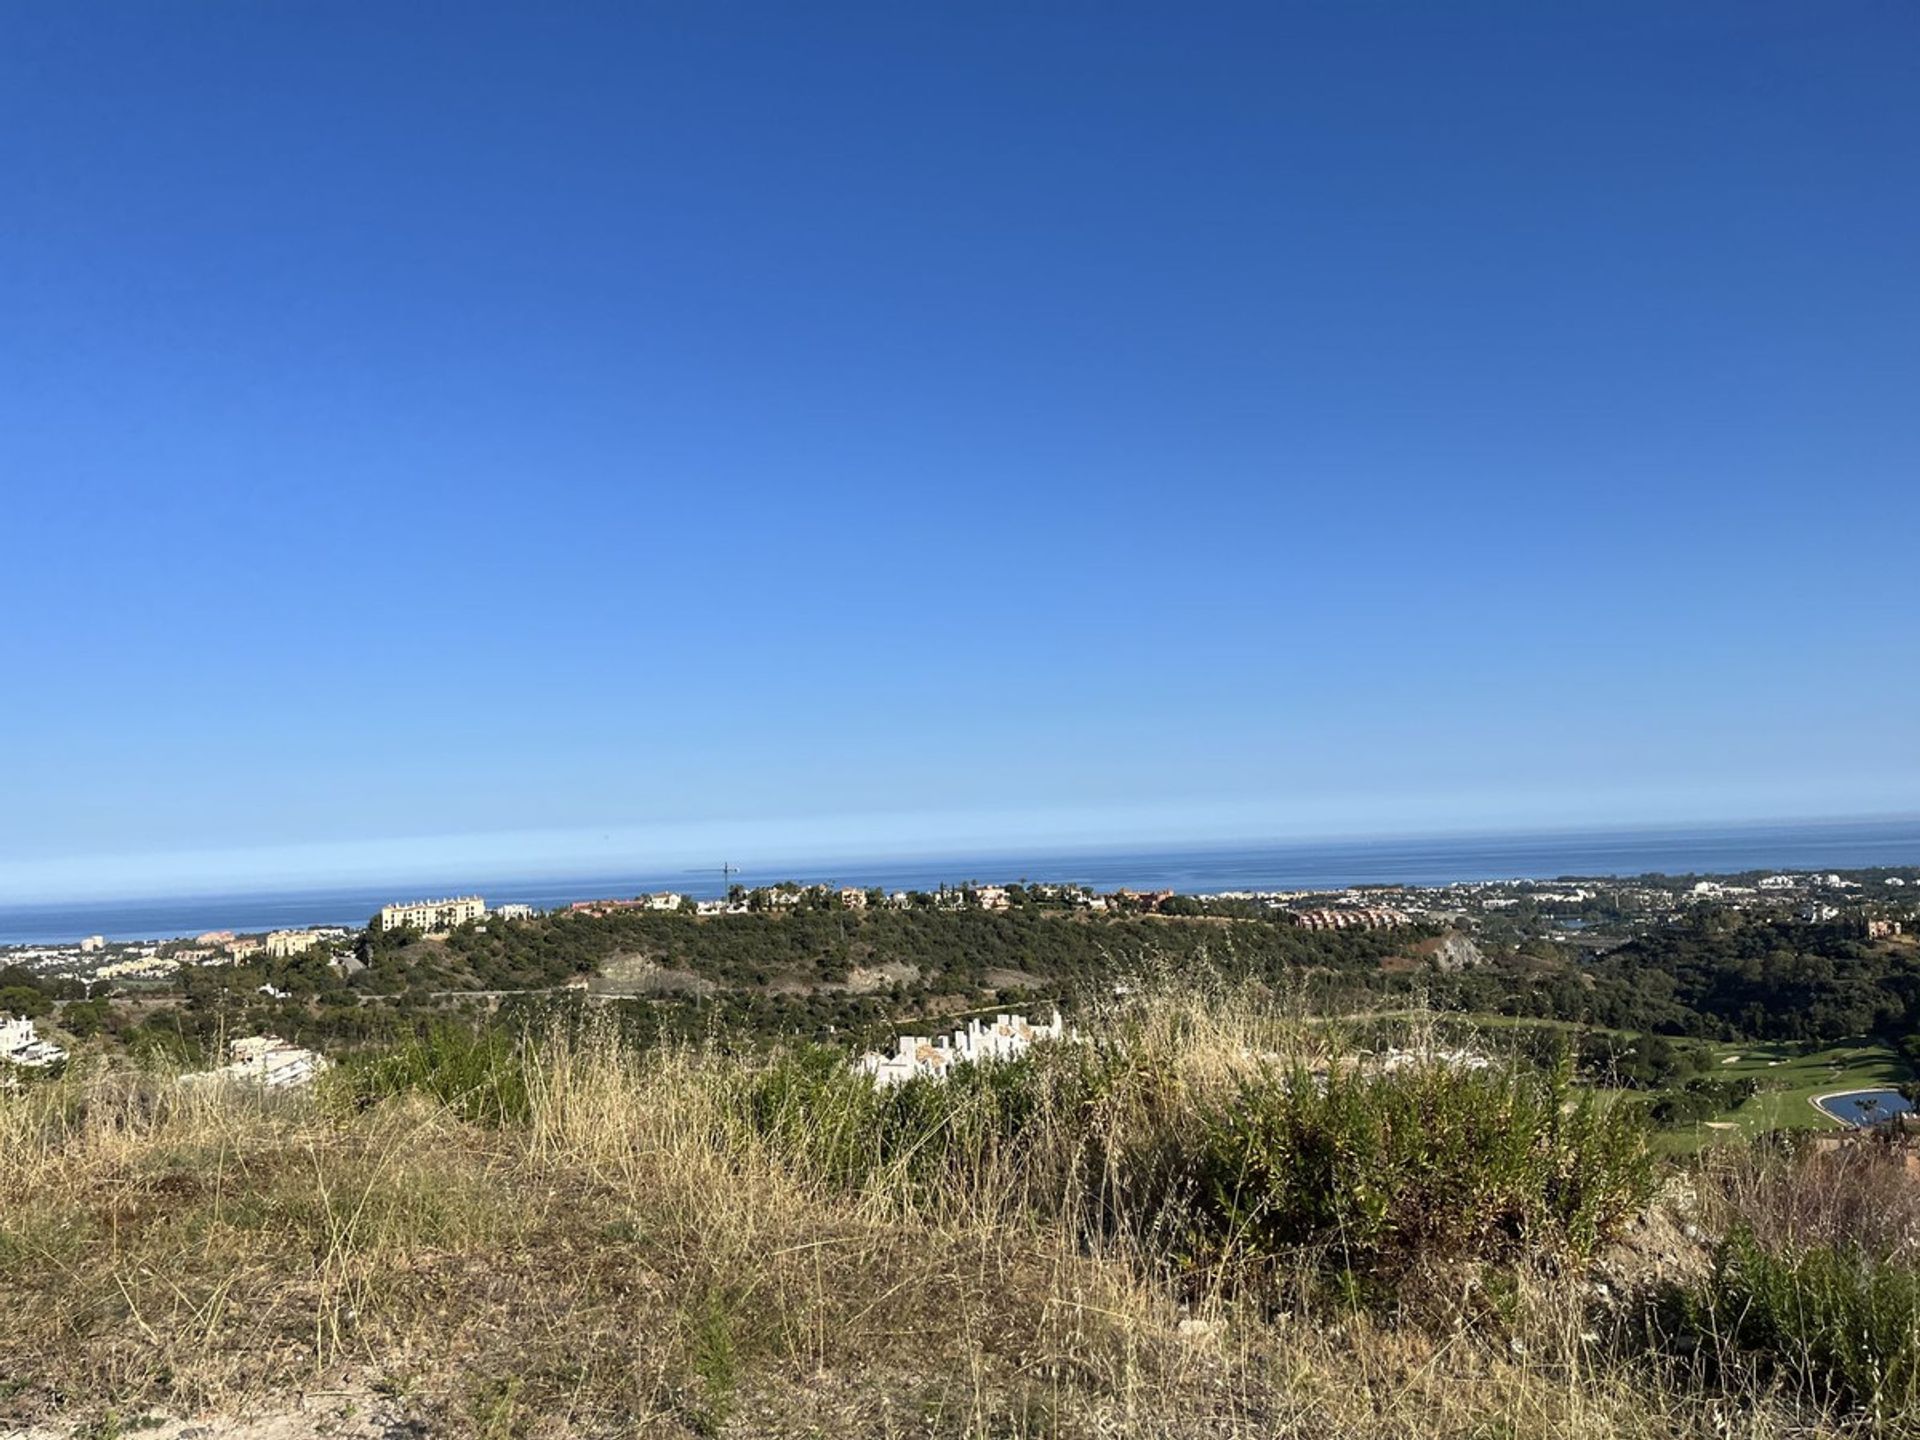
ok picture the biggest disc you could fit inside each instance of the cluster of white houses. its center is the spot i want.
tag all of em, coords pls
(788, 897)
(934, 1057)
(263, 1060)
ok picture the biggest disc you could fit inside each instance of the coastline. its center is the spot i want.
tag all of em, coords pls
(1330, 865)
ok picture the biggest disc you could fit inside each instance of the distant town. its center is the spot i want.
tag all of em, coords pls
(1585, 915)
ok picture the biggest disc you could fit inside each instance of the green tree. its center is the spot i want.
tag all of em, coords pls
(24, 1000)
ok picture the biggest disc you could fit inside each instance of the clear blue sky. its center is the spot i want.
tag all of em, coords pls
(447, 434)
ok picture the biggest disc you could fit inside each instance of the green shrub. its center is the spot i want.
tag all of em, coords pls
(926, 1138)
(1837, 1323)
(1378, 1173)
(479, 1075)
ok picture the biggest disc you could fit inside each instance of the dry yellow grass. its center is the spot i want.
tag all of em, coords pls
(634, 1261)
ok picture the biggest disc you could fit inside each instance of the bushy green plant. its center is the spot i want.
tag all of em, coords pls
(927, 1137)
(1379, 1172)
(1837, 1323)
(480, 1075)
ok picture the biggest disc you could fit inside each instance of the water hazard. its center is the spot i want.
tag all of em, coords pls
(1865, 1108)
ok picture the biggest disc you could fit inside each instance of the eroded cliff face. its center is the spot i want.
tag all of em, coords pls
(1455, 951)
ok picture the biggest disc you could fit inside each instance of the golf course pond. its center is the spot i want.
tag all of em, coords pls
(1861, 1108)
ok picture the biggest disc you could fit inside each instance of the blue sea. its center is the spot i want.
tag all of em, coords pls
(1191, 870)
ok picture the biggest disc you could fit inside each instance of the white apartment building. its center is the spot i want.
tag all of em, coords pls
(914, 1055)
(432, 914)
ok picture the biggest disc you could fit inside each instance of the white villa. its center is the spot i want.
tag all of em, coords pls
(21, 1045)
(1006, 1037)
(267, 1061)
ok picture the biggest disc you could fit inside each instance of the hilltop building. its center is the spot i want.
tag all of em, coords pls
(1364, 918)
(604, 907)
(432, 914)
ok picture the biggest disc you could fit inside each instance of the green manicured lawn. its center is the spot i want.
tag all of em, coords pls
(1788, 1082)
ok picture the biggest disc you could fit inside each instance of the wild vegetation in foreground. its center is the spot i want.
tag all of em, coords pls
(1208, 1219)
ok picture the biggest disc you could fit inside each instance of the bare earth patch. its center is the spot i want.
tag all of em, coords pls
(865, 979)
